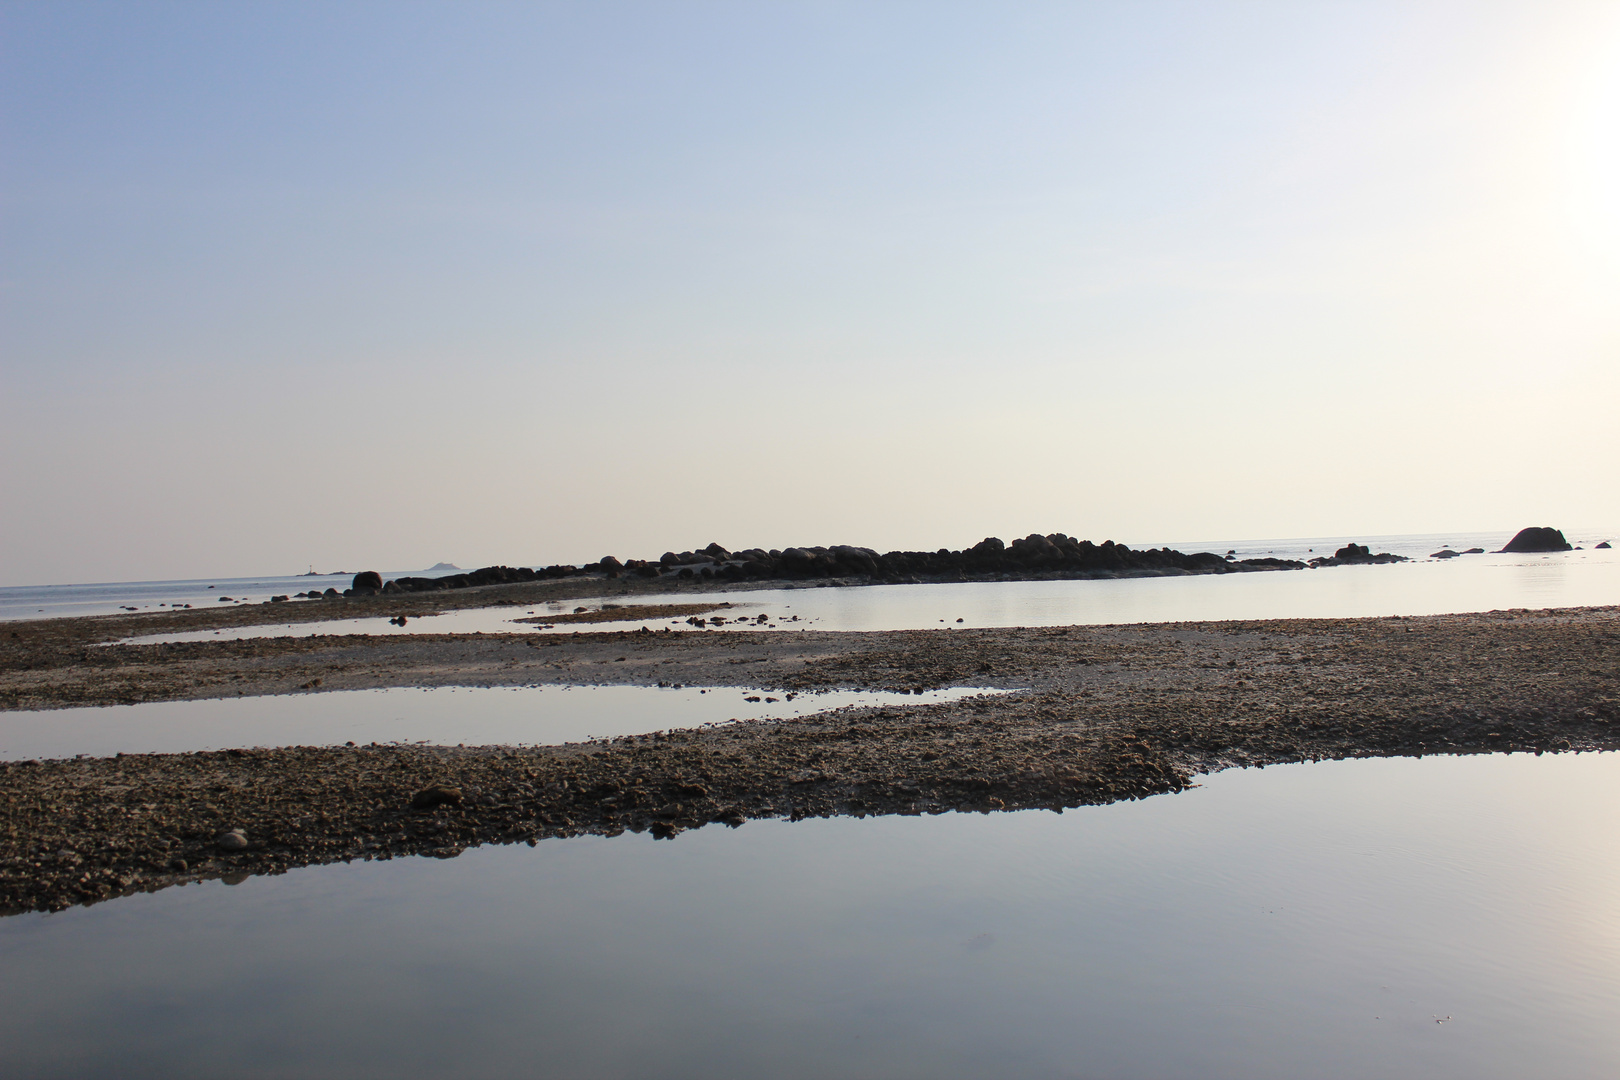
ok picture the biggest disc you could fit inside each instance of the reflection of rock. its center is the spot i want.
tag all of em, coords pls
(1357, 555)
(1537, 539)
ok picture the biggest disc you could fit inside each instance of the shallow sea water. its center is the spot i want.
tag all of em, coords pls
(1444, 917)
(1427, 587)
(445, 716)
(44, 601)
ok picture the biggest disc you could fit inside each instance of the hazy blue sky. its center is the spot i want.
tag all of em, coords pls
(382, 284)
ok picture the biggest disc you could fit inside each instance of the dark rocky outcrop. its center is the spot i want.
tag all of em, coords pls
(1537, 539)
(1052, 556)
(367, 581)
(489, 575)
(1356, 555)
(1602, 545)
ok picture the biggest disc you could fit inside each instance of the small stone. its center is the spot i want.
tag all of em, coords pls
(231, 840)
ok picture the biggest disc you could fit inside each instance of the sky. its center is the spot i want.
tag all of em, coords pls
(351, 284)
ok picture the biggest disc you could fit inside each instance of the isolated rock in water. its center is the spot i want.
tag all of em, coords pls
(368, 579)
(437, 795)
(1602, 545)
(1357, 555)
(1534, 539)
(233, 840)
(1474, 551)
(1445, 553)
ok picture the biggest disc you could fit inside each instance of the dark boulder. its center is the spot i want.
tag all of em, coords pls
(368, 580)
(610, 563)
(1534, 539)
(855, 559)
(1602, 545)
(436, 795)
(1035, 549)
(1445, 553)
(799, 562)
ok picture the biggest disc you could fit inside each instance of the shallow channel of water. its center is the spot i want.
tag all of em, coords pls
(1470, 583)
(445, 716)
(1444, 917)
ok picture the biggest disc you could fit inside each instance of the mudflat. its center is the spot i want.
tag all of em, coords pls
(1087, 714)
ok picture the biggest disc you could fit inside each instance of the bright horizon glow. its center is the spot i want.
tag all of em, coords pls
(381, 285)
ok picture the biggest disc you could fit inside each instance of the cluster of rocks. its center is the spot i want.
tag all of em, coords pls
(1055, 555)
(1356, 555)
(1032, 556)
(370, 583)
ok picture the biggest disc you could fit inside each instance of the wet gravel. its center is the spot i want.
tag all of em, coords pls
(1097, 714)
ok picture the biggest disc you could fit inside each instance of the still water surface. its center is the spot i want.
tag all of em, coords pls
(1445, 917)
(445, 716)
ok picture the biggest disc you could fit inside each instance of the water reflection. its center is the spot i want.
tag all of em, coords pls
(1442, 917)
(446, 715)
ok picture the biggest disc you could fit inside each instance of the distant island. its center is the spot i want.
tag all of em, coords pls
(441, 566)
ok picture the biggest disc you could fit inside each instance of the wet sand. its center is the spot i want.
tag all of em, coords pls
(1097, 714)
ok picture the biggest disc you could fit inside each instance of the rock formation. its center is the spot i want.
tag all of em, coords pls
(1356, 555)
(1534, 539)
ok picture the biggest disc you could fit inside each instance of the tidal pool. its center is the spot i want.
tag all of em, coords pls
(446, 715)
(1443, 917)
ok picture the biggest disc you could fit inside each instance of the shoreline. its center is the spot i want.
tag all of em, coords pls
(1099, 714)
